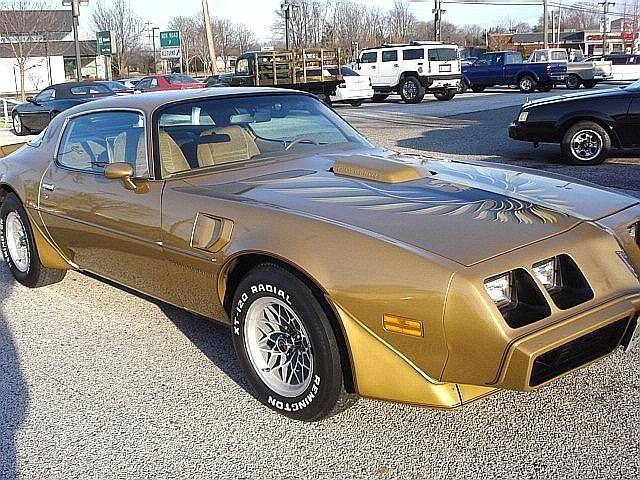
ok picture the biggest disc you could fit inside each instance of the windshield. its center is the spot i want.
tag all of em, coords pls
(215, 131)
(634, 87)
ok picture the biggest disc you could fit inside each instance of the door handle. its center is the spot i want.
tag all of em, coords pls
(373, 67)
(396, 65)
(49, 186)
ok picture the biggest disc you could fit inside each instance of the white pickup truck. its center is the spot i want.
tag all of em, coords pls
(586, 73)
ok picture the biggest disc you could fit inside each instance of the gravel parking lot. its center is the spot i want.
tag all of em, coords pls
(98, 382)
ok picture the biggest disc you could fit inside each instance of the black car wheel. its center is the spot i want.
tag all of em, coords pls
(445, 96)
(356, 103)
(586, 143)
(411, 90)
(18, 128)
(527, 84)
(477, 88)
(19, 247)
(545, 87)
(572, 82)
(286, 345)
(589, 83)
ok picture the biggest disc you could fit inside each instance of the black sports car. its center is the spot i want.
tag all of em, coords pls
(587, 125)
(35, 114)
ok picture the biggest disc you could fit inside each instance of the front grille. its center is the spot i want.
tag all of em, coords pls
(578, 352)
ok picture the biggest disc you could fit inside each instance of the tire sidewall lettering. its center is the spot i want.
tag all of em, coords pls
(299, 405)
(258, 290)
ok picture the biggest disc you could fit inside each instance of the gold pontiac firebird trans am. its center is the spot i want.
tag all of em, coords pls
(342, 269)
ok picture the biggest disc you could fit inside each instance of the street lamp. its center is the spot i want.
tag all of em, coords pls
(75, 12)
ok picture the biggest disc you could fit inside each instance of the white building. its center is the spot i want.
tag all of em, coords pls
(44, 38)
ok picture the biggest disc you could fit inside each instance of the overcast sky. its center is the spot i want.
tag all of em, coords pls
(258, 14)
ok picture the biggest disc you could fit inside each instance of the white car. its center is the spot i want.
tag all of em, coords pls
(412, 70)
(624, 67)
(353, 89)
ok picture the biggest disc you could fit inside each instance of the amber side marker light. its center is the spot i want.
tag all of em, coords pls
(402, 325)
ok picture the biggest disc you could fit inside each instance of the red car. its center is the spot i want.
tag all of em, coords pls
(155, 83)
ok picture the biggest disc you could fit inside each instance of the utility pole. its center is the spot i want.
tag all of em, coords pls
(75, 13)
(207, 26)
(605, 25)
(287, 7)
(437, 20)
(545, 24)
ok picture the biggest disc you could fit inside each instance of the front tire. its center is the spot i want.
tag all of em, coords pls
(356, 103)
(19, 247)
(572, 82)
(477, 88)
(411, 90)
(586, 143)
(527, 84)
(18, 128)
(286, 345)
(445, 96)
(589, 84)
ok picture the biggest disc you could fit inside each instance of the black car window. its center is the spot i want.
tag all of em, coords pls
(442, 54)
(92, 141)
(180, 79)
(485, 59)
(46, 95)
(89, 89)
(154, 82)
(369, 57)
(413, 54)
(390, 56)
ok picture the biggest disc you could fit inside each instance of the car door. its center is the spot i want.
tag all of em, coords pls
(100, 224)
(368, 66)
(483, 70)
(631, 126)
(36, 115)
(389, 68)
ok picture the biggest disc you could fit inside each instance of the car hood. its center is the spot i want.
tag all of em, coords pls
(461, 211)
(576, 96)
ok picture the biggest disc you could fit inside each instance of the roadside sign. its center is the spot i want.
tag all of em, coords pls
(170, 53)
(104, 46)
(169, 39)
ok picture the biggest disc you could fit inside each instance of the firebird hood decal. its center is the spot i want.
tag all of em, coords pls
(432, 197)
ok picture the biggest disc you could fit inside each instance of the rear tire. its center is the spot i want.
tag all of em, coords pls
(379, 97)
(527, 84)
(545, 87)
(445, 96)
(286, 345)
(19, 247)
(589, 84)
(477, 88)
(356, 103)
(586, 143)
(572, 82)
(411, 90)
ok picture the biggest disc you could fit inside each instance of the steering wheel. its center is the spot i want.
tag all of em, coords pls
(298, 139)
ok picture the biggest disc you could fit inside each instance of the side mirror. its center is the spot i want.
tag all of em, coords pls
(121, 171)
(31, 99)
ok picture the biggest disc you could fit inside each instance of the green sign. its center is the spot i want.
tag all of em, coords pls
(169, 39)
(103, 43)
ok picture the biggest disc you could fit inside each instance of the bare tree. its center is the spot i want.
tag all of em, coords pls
(244, 39)
(117, 16)
(191, 35)
(24, 25)
(401, 22)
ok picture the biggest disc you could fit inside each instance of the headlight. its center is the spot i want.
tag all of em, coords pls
(547, 273)
(499, 289)
(523, 116)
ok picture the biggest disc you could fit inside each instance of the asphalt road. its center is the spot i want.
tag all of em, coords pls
(96, 382)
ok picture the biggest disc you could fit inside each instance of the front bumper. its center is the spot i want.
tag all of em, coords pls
(542, 356)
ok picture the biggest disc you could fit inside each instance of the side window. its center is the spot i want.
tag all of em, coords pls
(413, 54)
(497, 59)
(92, 141)
(369, 57)
(154, 82)
(242, 66)
(390, 56)
(46, 95)
(142, 84)
(485, 59)
(558, 56)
